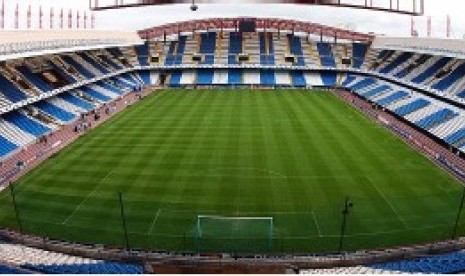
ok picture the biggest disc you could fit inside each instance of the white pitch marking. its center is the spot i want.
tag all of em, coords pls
(154, 221)
(317, 224)
(85, 199)
(388, 202)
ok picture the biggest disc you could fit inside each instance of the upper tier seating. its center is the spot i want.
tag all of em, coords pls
(55, 111)
(76, 101)
(110, 62)
(36, 80)
(266, 49)
(95, 94)
(397, 62)
(296, 49)
(26, 124)
(76, 65)
(143, 54)
(326, 54)
(359, 52)
(63, 74)
(176, 52)
(10, 91)
(235, 47)
(94, 63)
(207, 47)
(432, 70)
(451, 78)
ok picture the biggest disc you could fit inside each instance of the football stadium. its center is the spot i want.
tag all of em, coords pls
(229, 144)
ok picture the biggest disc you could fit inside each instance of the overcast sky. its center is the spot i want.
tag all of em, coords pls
(365, 21)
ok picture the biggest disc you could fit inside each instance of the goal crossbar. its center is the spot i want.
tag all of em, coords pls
(234, 218)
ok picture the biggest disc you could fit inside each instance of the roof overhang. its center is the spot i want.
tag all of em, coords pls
(410, 7)
(17, 44)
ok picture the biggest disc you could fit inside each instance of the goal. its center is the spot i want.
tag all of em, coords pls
(234, 234)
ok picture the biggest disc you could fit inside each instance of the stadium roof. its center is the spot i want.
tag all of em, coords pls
(262, 23)
(27, 43)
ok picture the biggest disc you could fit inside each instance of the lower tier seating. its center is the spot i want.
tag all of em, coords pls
(42, 261)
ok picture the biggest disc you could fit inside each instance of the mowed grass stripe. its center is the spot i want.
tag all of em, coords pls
(292, 155)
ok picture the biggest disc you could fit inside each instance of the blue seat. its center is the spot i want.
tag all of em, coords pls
(235, 47)
(110, 62)
(296, 49)
(176, 52)
(450, 79)
(326, 54)
(6, 147)
(83, 71)
(436, 118)
(432, 70)
(402, 58)
(94, 63)
(235, 76)
(364, 83)
(145, 76)
(95, 95)
(207, 47)
(205, 76)
(411, 107)
(112, 88)
(76, 101)
(298, 79)
(63, 74)
(455, 137)
(267, 78)
(26, 124)
(440, 264)
(348, 80)
(143, 54)
(359, 51)
(392, 98)
(10, 91)
(36, 80)
(375, 91)
(55, 111)
(175, 79)
(266, 56)
(329, 78)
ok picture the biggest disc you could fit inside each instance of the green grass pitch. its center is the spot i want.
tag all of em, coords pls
(290, 155)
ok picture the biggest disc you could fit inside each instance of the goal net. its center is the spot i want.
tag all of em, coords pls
(234, 234)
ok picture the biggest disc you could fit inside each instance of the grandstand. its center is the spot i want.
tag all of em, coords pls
(56, 85)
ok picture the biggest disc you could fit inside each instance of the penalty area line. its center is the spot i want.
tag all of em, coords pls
(86, 198)
(317, 224)
(387, 201)
(157, 215)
